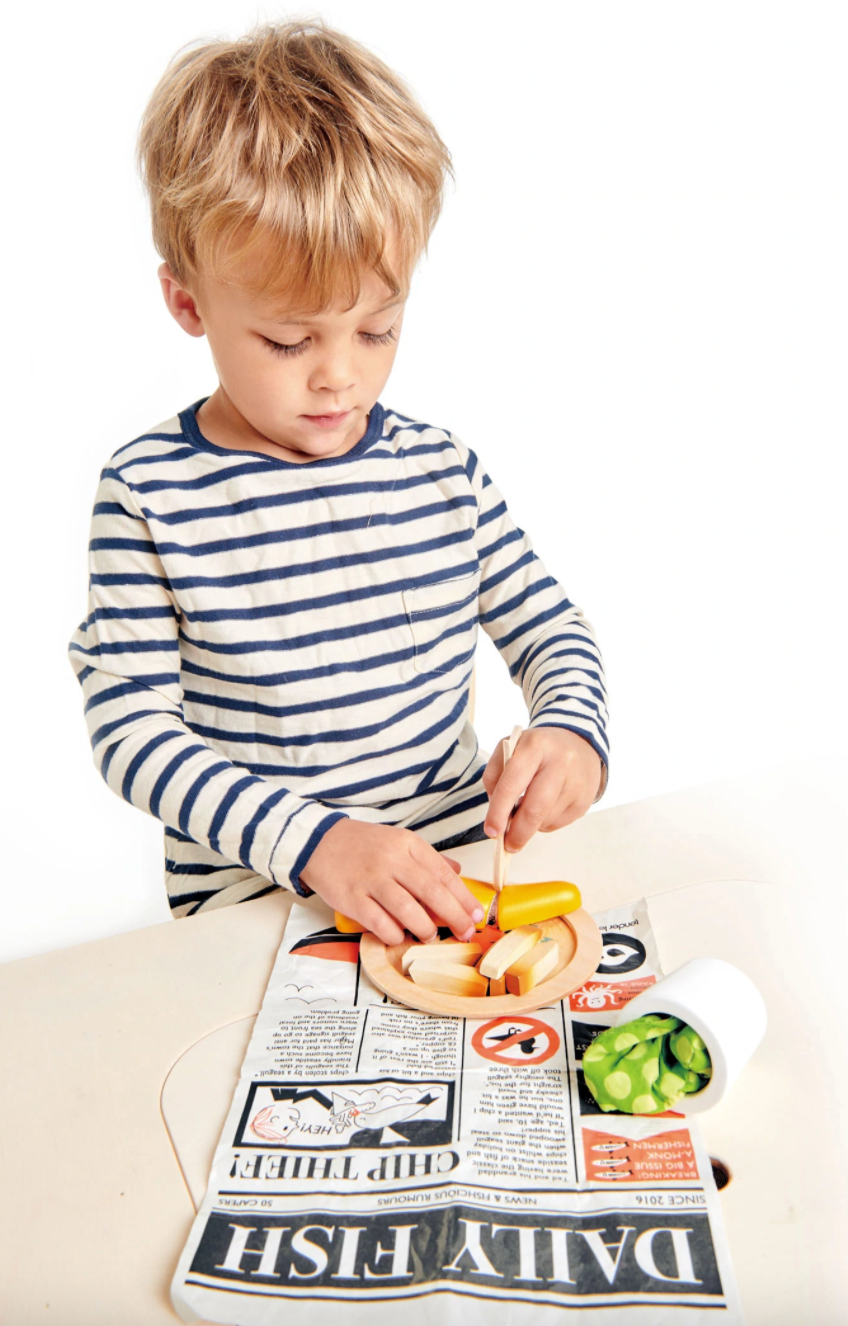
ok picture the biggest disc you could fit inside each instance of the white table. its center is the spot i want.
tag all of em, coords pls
(97, 1207)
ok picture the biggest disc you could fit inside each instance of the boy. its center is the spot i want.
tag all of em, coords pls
(286, 580)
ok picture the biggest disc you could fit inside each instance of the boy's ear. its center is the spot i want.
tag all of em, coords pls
(181, 302)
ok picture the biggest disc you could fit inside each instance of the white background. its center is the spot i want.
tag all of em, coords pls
(635, 308)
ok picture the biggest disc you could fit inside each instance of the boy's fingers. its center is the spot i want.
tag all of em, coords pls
(448, 874)
(465, 898)
(376, 919)
(438, 895)
(493, 770)
(560, 814)
(400, 902)
(515, 778)
(565, 815)
(541, 797)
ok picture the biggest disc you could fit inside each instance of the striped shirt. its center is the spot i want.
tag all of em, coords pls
(272, 646)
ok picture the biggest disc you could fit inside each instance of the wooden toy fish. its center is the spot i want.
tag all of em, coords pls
(515, 905)
(523, 904)
(508, 906)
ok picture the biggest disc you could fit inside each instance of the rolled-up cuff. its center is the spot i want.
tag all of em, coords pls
(296, 843)
(541, 720)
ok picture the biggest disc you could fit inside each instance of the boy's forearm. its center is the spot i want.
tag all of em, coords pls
(147, 755)
(562, 678)
(141, 744)
(545, 641)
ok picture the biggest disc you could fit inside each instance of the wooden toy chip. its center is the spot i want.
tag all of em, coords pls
(514, 964)
(468, 955)
(448, 977)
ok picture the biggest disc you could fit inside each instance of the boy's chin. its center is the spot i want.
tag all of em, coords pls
(327, 445)
(317, 448)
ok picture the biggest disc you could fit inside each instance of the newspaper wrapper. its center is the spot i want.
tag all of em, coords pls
(378, 1161)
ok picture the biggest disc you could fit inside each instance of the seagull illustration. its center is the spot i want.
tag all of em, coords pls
(526, 1046)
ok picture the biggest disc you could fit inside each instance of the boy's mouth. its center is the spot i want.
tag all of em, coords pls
(328, 420)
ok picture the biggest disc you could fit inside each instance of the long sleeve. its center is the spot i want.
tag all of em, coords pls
(546, 642)
(126, 655)
(271, 647)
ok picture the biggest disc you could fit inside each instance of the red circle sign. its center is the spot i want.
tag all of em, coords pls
(517, 1040)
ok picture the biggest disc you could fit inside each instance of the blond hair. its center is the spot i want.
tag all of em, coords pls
(297, 135)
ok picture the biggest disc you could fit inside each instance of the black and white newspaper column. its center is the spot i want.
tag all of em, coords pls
(378, 1161)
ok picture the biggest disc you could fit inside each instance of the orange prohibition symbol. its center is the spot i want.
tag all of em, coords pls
(516, 1040)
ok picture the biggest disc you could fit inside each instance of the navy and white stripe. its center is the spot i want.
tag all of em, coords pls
(271, 646)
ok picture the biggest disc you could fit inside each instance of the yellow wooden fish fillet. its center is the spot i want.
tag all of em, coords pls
(523, 904)
(346, 926)
(487, 898)
(515, 905)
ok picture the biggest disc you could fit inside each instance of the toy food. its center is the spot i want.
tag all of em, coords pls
(576, 939)
(448, 977)
(508, 949)
(515, 905)
(514, 964)
(467, 955)
(687, 1047)
(643, 1067)
(523, 904)
(529, 971)
(507, 906)
(346, 926)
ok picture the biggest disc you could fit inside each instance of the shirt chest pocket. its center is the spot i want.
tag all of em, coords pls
(443, 621)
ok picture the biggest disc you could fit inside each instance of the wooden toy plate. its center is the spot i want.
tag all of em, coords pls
(580, 948)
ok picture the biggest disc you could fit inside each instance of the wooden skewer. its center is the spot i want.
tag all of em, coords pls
(501, 859)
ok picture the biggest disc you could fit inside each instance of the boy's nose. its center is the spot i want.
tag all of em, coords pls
(334, 373)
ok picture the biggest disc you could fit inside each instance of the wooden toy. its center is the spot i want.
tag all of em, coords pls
(522, 916)
(523, 904)
(468, 955)
(449, 978)
(509, 949)
(579, 948)
(515, 905)
(346, 926)
(529, 971)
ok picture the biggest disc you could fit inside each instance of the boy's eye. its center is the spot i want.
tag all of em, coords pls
(298, 348)
(385, 338)
(286, 350)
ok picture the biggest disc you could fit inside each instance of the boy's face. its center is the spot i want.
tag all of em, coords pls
(293, 384)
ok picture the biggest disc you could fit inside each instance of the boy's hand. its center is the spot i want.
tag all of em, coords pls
(390, 880)
(559, 774)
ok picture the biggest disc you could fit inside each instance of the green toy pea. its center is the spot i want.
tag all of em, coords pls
(646, 1066)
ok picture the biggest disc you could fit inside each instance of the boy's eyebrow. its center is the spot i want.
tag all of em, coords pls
(300, 322)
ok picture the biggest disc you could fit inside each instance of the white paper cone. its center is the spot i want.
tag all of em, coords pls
(726, 1009)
